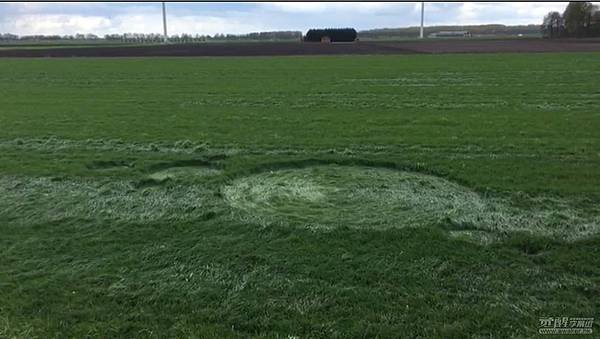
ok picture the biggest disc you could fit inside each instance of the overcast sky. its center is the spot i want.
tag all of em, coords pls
(209, 18)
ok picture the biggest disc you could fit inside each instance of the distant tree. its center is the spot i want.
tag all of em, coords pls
(8, 37)
(578, 17)
(595, 21)
(553, 26)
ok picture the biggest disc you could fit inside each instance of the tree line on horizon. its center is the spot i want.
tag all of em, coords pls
(373, 34)
(156, 38)
(579, 20)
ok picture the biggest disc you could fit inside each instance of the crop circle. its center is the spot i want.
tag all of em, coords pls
(352, 196)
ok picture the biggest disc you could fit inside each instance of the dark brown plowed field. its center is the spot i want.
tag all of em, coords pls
(299, 48)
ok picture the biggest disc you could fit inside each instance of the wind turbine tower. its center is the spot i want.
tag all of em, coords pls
(164, 13)
(422, 18)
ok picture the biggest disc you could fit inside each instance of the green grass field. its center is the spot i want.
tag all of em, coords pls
(335, 197)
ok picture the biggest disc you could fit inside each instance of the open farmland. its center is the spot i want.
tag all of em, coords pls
(280, 48)
(333, 196)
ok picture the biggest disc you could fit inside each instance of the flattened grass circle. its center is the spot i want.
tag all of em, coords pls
(360, 197)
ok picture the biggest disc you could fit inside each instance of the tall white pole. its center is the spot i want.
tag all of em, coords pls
(422, 18)
(164, 11)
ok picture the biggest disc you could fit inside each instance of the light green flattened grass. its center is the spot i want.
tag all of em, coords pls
(315, 197)
(362, 197)
(182, 172)
(34, 200)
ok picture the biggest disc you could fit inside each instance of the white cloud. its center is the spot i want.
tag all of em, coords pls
(329, 7)
(512, 13)
(58, 24)
(294, 7)
(212, 25)
(70, 24)
(537, 10)
(137, 23)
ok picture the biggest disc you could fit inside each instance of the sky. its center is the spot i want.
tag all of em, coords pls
(26, 18)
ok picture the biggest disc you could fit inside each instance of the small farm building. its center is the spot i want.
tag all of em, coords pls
(331, 35)
(451, 34)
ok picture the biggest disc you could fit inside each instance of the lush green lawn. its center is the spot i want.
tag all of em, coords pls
(434, 196)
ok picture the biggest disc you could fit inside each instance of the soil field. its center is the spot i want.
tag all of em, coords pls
(298, 48)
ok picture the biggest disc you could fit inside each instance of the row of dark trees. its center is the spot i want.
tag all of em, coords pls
(39, 37)
(332, 34)
(154, 38)
(579, 20)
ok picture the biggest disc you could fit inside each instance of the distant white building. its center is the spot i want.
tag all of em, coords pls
(451, 34)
